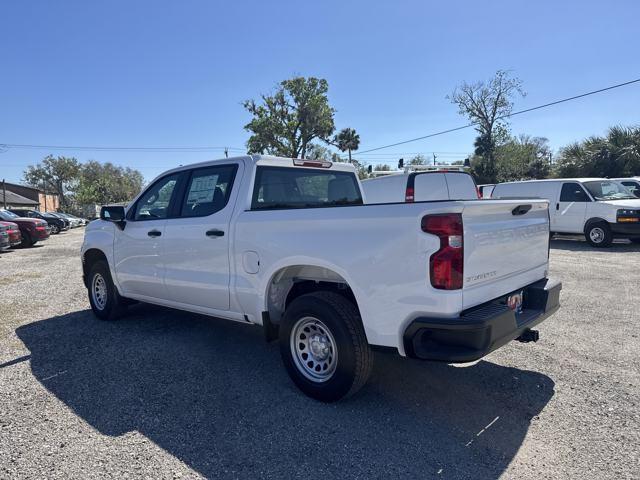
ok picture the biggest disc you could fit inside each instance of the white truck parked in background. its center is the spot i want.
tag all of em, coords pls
(290, 245)
(420, 184)
(599, 208)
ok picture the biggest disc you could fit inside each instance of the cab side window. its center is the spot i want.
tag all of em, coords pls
(573, 192)
(208, 190)
(154, 203)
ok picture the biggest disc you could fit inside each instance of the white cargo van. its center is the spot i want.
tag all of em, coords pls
(420, 186)
(599, 208)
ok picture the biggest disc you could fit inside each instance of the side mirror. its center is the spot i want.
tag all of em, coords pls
(115, 214)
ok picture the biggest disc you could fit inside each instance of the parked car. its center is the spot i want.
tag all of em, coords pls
(4, 238)
(32, 230)
(426, 184)
(56, 223)
(13, 230)
(632, 183)
(290, 245)
(599, 208)
(74, 221)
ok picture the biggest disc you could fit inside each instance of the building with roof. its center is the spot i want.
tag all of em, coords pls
(9, 199)
(39, 199)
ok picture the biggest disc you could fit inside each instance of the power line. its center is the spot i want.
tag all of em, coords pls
(4, 146)
(505, 116)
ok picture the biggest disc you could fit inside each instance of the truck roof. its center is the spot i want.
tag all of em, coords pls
(270, 160)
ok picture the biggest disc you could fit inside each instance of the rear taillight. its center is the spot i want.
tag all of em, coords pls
(41, 227)
(446, 265)
(478, 192)
(409, 195)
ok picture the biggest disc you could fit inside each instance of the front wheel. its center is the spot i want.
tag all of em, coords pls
(324, 347)
(599, 235)
(106, 302)
(55, 229)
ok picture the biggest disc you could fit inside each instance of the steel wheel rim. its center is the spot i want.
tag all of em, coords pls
(596, 235)
(99, 291)
(313, 348)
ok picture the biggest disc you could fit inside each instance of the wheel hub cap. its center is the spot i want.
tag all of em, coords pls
(313, 349)
(99, 291)
(597, 235)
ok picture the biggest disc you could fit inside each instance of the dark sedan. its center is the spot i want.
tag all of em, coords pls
(56, 223)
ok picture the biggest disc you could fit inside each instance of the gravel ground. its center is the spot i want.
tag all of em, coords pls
(165, 394)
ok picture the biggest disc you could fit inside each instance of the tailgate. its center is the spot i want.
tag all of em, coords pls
(505, 247)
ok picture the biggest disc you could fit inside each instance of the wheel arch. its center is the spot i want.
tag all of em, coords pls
(593, 220)
(89, 258)
(290, 282)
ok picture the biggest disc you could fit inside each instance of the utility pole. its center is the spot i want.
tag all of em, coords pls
(4, 194)
(434, 158)
(226, 152)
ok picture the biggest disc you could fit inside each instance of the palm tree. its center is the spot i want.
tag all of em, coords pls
(347, 140)
(615, 155)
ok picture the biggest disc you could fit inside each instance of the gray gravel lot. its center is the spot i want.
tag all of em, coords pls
(165, 394)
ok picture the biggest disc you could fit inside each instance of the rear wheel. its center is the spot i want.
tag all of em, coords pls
(106, 302)
(599, 235)
(55, 229)
(324, 347)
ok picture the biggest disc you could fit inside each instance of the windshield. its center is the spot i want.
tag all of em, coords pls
(608, 190)
(279, 187)
(7, 215)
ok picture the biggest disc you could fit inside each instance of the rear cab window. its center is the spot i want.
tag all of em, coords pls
(295, 187)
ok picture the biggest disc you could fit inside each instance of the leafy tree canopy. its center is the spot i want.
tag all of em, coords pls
(58, 175)
(617, 154)
(286, 122)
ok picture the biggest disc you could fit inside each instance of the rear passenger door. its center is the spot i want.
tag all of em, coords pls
(570, 209)
(196, 248)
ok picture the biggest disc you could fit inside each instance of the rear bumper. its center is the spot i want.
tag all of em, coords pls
(482, 329)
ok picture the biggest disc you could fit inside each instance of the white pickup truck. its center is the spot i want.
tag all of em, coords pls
(292, 246)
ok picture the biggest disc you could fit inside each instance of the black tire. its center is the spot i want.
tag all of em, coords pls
(352, 355)
(598, 234)
(108, 305)
(27, 241)
(54, 230)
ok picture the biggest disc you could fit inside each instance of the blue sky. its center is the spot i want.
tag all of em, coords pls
(160, 73)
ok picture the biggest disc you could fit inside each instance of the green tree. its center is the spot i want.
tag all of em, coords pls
(418, 160)
(103, 183)
(615, 155)
(382, 167)
(55, 174)
(347, 140)
(523, 157)
(320, 152)
(487, 105)
(286, 122)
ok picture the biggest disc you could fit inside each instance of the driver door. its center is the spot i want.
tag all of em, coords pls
(138, 248)
(570, 209)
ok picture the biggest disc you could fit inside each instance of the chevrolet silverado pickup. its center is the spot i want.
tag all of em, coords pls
(291, 245)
